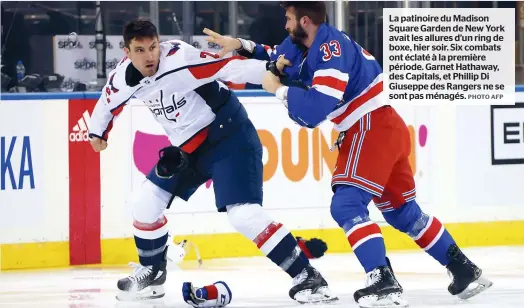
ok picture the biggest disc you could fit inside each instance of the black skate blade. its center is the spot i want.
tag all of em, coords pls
(476, 287)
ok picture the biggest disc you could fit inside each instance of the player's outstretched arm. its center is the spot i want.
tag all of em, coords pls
(203, 67)
(245, 48)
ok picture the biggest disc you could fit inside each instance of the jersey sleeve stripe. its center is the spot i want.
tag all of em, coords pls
(105, 134)
(329, 91)
(116, 111)
(331, 82)
(268, 50)
(331, 72)
(206, 70)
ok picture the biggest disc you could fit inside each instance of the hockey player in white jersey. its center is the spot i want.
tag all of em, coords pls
(212, 138)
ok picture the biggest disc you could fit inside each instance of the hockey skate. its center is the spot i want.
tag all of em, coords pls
(309, 287)
(146, 282)
(382, 290)
(467, 278)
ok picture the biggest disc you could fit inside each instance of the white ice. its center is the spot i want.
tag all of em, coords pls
(256, 282)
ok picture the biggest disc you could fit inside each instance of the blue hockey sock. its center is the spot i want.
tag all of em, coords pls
(368, 244)
(349, 209)
(425, 230)
(435, 240)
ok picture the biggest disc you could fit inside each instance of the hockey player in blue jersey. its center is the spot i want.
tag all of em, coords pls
(320, 73)
(212, 137)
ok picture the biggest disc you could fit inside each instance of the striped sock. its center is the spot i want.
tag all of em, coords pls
(151, 241)
(368, 244)
(277, 243)
(435, 240)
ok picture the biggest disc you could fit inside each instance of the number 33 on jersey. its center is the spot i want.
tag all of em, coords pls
(345, 81)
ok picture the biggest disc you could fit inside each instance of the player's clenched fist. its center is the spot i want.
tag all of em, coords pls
(98, 144)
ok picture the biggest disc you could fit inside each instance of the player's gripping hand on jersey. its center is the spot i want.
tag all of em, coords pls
(215, 295)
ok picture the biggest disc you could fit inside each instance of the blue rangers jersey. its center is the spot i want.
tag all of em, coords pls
(341, 81)
(183, 96)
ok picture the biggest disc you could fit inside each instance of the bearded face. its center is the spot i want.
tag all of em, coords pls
(298, 35)
(294, 28)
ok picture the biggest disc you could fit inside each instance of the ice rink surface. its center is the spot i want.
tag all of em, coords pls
(256, 282)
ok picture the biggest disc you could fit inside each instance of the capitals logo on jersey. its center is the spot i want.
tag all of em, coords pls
(168, 108)
(175, 47)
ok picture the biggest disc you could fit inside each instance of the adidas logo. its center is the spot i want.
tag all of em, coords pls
(80, 130)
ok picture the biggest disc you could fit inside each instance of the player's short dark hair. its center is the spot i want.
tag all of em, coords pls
(315, 10)
(139, 29)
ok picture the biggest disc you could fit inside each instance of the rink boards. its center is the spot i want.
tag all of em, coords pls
(62, 204)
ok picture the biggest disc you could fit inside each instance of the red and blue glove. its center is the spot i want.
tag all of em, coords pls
(215, 295)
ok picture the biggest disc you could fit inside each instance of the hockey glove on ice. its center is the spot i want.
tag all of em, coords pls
(215, 295)
(172, 160)
(313, 248)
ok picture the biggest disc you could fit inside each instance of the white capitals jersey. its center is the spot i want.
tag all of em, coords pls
(182, 95)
